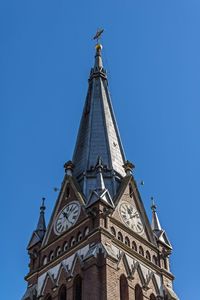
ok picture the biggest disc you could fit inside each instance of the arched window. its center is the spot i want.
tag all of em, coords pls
(72, 242)
(65, 246)
(120, 237)
(127, 241)
(86, 231)
(44, 261)
(123, 288)
(112, 229)
(152, 297)
(154, 259)
(62, 293)
(77, 288)
(148, 256)
(58, 251)
(138, 293)
(51, 256)
(134, 246)
(141, 251)
(79, 236)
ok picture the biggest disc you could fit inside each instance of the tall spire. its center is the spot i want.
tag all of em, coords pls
(98, 135)
(39, 233)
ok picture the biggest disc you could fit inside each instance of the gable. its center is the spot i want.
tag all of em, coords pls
(35, 238)
(129, 210)
(68, 211)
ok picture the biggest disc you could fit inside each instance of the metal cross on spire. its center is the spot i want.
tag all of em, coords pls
(98, 34)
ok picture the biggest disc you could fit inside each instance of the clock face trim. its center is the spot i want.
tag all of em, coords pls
(67, 217)
(131, 217)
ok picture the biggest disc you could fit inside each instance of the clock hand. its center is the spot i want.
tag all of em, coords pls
(129, 211)
(66, 216)
(134, 215)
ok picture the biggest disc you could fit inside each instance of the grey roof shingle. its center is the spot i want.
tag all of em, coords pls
(98, 132)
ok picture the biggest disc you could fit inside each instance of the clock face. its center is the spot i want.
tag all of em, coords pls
(131, 217)
(67, 217)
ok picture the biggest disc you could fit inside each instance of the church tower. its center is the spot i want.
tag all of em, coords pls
(99, 243)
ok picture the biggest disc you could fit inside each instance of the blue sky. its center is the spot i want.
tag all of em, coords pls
(151, 52)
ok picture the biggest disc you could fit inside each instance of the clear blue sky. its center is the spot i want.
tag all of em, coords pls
(152, 54)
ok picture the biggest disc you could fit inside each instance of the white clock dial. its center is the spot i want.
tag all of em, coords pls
(131, 217)
(67, 217)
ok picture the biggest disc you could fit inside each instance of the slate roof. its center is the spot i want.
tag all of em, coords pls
(98, 134)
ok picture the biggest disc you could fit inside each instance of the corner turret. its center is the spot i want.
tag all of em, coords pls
(39, 233)
(159, 233)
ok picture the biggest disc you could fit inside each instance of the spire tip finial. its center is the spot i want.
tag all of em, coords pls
(153, 205)
(98, 47)
(97, 37)
(42, 207)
